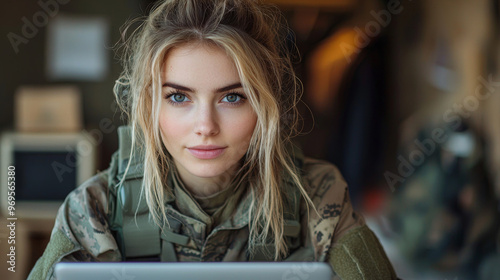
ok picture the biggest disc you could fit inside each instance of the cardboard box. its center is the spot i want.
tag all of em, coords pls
(48, 109)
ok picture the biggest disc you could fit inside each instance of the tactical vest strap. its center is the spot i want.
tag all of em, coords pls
(137, 236)
(175, 238)
(265, 252)
(292, 228)
(141, 236)
(168, 253)
(142, 239)
(169, 238)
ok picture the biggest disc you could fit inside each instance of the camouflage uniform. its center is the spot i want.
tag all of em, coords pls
(216, 228)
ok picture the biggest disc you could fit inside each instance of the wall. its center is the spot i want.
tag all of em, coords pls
(26, 67)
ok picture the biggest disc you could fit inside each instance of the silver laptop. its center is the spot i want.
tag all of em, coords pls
(194, 270)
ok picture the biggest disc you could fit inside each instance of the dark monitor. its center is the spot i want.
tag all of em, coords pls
(47, 168)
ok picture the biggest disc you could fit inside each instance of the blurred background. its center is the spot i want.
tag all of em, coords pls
(403, 96)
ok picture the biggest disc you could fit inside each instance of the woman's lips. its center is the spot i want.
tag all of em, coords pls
(206, 152)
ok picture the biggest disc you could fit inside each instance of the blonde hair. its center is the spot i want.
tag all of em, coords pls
(254, 36)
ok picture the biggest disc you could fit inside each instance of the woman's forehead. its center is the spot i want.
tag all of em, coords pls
(199, 66)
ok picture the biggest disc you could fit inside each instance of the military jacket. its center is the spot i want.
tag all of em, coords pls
(339, 235)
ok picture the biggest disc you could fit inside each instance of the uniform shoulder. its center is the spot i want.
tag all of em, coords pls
(85, 206)
(95, 187)
(83, 217)
(328, 192)
(321, 176)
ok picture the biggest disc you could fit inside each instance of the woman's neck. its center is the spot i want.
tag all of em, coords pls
(203, 187)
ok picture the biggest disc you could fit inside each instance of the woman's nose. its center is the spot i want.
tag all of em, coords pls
(206, 121)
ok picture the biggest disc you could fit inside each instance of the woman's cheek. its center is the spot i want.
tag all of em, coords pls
(170, 125)
(242, 127)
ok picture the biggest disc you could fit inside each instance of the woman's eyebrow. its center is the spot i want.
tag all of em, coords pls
(219, 90)
(179, 87)
(229, 87)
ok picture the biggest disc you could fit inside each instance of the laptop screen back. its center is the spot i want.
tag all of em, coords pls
(192, 271)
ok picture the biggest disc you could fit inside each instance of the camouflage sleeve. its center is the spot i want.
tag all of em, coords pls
(339, 235)
(329, 194)
(356, 252)
(348, 218)
(81, 231)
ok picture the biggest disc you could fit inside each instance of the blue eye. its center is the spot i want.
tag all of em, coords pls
(177, 98)
(232, 98)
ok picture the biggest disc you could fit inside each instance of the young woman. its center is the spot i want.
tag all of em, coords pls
(206, 170)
